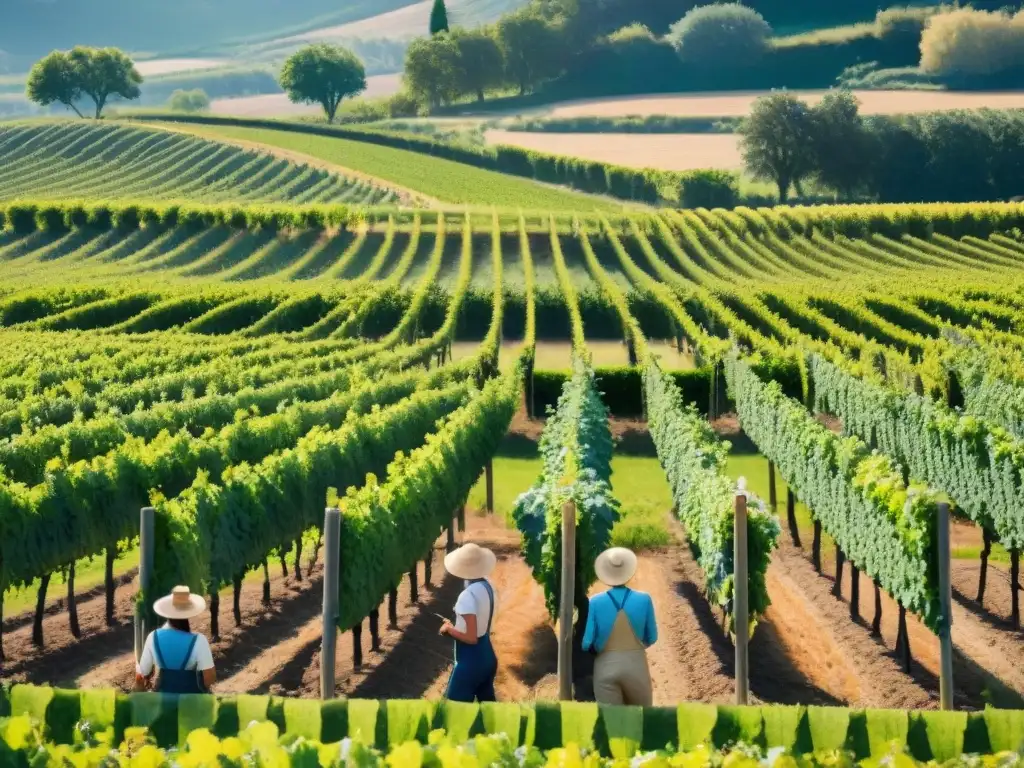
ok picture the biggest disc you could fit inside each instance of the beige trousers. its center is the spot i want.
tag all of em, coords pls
(622, 677)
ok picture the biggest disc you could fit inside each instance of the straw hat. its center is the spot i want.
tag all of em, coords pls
(180, 604)
(470, 561)
(615, 566)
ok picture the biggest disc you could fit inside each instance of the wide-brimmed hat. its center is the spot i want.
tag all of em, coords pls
(180, 604)
(615, 566)
(470, 561)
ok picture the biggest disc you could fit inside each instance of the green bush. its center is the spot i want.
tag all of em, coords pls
(727, 35)
(709, 189)
(195, 100)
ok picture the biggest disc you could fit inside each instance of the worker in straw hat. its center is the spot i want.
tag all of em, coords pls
(475, 661)
(181, 657)
(620, 629)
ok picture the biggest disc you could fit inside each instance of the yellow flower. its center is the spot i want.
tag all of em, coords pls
(147, 757)
(407, 755)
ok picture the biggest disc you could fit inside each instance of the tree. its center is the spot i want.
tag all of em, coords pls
(432, 69)
(480, 63)
(438, 18)
(841, 143)
(323, 74)
(105, 72)
(531, 48)
(189, 101)
(723, 35)
(776, 141)
(53, 81)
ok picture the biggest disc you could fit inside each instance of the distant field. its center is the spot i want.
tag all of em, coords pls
(669, 152)
(738, 104)
(278, 105)
(410, 21)
(173, 66)
(440, 179)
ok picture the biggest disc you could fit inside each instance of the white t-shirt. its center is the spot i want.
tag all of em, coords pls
(200, 659)
(474, 599)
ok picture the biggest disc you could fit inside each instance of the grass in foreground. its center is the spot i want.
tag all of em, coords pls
(447, 181)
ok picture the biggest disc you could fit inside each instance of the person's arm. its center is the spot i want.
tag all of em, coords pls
(204, 662)
(651, 625)
(145, 668)
(589, 634)
(469, 636)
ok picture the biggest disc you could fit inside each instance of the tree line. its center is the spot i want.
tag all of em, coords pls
(954, 156)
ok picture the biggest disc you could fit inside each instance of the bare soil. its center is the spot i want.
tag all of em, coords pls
(667, 152)
(737, 104)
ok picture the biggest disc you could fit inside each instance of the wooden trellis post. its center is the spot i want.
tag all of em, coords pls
(568, 601)
(741, 599)
(946, 619)
(146, 545)
(332, 574)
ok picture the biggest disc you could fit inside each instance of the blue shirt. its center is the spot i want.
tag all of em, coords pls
(639, 609)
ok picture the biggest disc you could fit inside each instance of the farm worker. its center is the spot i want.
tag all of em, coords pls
(182, 657)
(620, 629)
(475, 661)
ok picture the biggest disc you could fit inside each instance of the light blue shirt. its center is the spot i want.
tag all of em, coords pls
(639, 609)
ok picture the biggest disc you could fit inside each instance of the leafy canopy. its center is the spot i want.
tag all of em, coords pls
(64, 77)
(323, 74)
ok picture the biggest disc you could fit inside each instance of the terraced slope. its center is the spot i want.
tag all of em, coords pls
(64, 160)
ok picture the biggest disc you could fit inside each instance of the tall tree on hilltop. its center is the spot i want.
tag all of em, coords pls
(323, 74)
(438, 18)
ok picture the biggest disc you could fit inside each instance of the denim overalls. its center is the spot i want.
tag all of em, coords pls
(174, 678)
(475, 665)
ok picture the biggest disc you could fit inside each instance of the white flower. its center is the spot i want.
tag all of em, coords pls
(773, 754)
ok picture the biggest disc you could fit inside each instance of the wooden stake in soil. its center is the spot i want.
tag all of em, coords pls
(986, 550)
(215, 614)
(146, 551)
(393, 608)
(236, 603)
(903, 640)
(461, 515)
(428, 568)
(816, 546)
(375, 630)
(740, 599)
(794, 529)
(946, 607)
(489, 476)
(854, 592)
(1015, 588)
(332, 575)
(772, 497)
(298, 559)
(567, 601)
(449, 545)
(876, 622)
(37, 623)
(414, 585)
(108, 582)
(837, 588)
(357, 645)
(283, 553)
(76, 631)
(266, 582)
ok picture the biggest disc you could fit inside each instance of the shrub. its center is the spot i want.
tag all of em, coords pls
(50, 218)
(727, 35)
(708, 189)
(965, 41)
(901, 25)
(127, 218)
(195, 100)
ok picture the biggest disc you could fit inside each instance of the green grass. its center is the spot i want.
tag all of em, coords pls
(444, 180)
(637, 481)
